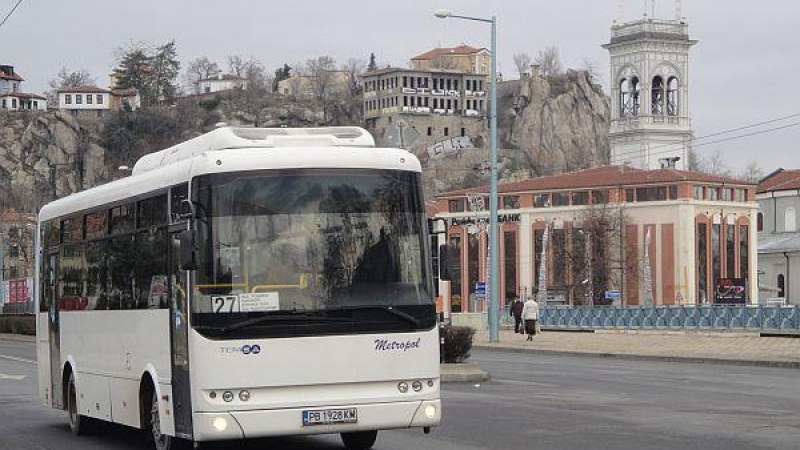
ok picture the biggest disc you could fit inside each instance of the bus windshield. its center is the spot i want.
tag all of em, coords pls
(309, 252)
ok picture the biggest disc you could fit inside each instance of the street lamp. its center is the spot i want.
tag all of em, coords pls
(494, 285)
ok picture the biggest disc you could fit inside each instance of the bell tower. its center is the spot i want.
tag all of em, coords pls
(650, 121)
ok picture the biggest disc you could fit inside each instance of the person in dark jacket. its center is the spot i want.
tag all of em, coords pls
(516, 313)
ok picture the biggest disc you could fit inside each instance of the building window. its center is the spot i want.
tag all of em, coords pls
(713, 194)
(13, 103)
(78, 99)
(446, 131)
(702, 263)
(760, 222)
(559, 258)
(88, 99)
(651, 194)
(744, 259)
(455, 206)
(463, 132)
(538, 245)
(541, 200)
(510, 265)
(716, 251)
(781, 286)
(455, 272)
(580, 198)
(789, 220)
(673, 192)
(405, 82)
(599, 197)
(630, 195)
(730, 251)
(511, 202)
(727, 194)
(473, 261)
(560, 199)
(430, 131)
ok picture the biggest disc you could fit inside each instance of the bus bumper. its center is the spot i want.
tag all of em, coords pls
(211, 426)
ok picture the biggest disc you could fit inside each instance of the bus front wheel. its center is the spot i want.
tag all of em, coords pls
(162, 441)
(78, 424)
(359, 440)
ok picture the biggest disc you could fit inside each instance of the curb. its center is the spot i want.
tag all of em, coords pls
(677, 359)
(8, 337)
(462, 373)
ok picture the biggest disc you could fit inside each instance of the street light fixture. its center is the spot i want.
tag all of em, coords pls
(494, 285)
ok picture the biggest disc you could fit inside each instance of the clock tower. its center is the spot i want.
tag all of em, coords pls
(650, 122)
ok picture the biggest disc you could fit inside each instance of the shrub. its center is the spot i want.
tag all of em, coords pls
(18, 324)
(456, 343)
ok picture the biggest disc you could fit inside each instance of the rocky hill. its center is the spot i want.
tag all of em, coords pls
(546, 125)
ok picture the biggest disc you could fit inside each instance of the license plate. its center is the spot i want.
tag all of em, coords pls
(326, 416)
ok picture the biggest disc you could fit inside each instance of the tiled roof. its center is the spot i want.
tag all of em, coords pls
(779, 243)
(605, 176)
(15, 216)
(23, 95)
(388, 70)
(13, 76)
(84, 90)
(780, 180)
(225, 77)
(458, 50)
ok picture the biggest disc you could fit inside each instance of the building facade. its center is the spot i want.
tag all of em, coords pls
(461, 58)
(650, 124)
(336, 85)
(221, 82)
(608, 235)
(779, 237)
(11, 96)
(96, 102)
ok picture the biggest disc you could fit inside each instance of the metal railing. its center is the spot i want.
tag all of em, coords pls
(706, 317)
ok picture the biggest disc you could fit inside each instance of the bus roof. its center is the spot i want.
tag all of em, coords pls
(225, 138)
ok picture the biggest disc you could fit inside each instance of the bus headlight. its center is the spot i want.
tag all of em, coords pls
(430, 411)
(416, 386)
(219, 424)
(227, 396)
(244, 395)
(402, 387)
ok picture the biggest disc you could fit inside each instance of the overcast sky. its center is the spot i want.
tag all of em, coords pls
(740, 70)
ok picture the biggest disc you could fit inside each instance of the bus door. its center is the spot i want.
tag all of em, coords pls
(179, 335)
(49, 287)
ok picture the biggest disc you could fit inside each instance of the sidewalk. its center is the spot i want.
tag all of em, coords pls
(713, 348)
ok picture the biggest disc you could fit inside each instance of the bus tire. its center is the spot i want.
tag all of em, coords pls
(359, 440)
(79, 425)
(162, 441)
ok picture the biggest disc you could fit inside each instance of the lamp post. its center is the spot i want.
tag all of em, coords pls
(494, 285)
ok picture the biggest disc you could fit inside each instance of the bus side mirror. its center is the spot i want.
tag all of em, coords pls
(186, 209)
(444, 263)
(188, 250)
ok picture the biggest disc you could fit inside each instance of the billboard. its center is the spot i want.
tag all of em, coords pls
(730, 291)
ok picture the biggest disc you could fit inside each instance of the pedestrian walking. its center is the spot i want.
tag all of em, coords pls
(530, 314)
(516, 313)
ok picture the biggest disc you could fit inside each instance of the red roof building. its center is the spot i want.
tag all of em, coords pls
(611, 234)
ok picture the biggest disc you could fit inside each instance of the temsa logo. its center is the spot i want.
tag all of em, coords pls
(244, 349)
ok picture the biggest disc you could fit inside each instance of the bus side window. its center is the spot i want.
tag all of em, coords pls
(176, 196)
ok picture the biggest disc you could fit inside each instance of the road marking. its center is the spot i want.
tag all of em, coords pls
(11, 377)
(14, 358)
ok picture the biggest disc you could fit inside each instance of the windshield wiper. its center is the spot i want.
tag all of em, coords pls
(390, 309)
(290, 317)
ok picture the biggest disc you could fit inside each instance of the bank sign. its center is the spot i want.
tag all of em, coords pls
(731, 291)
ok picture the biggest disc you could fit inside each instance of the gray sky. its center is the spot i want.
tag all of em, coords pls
(739, 69)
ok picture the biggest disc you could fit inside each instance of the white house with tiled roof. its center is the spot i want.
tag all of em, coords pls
(92, 100)
(11, 96)
(221, 82)
(645, 237)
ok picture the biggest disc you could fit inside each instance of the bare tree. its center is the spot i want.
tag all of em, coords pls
(354, 67)
(444, 63)
(320, 70)
(592, 69)
(67, 79)
(199, 69)
(522, 61)
(752, 172)
(714, 164)
(549, 61)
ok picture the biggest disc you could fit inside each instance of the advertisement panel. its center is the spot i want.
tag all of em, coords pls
(731, 291)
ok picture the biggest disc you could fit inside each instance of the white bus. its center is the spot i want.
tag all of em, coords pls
(246, 283)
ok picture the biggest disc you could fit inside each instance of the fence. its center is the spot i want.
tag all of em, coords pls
(715, 318)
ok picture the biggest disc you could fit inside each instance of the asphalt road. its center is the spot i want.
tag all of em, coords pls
(533, 402)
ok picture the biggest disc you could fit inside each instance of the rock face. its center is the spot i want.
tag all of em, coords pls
(545, 126)
(561, 123)
(44, 154)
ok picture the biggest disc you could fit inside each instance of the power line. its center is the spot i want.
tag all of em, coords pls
(732, 138)
(10, 12)
(719, 133)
